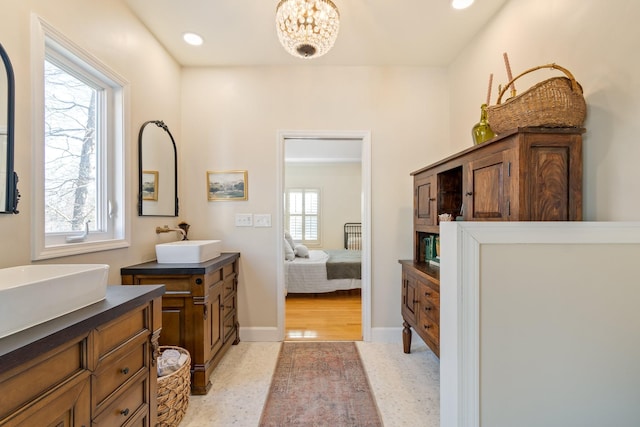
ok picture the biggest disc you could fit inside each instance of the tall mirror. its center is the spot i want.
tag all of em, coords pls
(157, 170)
(8, 178)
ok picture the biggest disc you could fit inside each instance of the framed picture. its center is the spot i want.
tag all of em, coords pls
(227, 185)
(150, 185)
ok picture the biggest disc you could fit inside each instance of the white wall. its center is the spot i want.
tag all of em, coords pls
(231, 117)
(596, 41)
(110, 32)
(340, 195)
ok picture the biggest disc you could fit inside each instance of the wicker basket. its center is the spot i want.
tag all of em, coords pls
(173, 392)
(556, 102)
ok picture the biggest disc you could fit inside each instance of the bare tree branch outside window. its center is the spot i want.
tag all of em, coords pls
(70, 151)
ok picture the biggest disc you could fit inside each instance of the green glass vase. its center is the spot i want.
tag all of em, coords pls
(482, 132)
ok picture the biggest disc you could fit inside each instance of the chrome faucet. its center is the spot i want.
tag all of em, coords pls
(166, 229)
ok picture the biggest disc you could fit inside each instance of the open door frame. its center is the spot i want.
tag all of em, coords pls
(365, 138)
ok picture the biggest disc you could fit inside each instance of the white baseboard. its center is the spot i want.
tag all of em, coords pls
(390, 335)
(270, 334)
(260, 334)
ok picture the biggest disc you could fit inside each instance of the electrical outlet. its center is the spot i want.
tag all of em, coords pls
(244, 220)
(262, 220)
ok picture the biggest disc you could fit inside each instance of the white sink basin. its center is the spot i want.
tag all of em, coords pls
(188, 251)
(33, 294)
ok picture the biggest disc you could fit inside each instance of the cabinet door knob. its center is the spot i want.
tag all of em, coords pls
(427, 308)
(125, 412)
(469, 193)
(125, 371)
(198, 281)
(427, 294)
(427, 326)
(433, 199)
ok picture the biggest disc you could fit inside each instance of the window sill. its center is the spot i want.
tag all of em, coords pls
(69, 249)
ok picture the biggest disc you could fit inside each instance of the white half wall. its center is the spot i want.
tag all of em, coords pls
(539, 324)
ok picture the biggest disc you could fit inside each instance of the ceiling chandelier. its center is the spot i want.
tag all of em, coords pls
(307, 28)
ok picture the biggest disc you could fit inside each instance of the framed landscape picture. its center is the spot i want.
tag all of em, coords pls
(227, 185)
(149, 185)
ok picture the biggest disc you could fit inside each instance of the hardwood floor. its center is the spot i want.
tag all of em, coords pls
(336, 316)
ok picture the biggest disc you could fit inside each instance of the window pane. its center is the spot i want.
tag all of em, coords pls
(70, 151)
(295, 227)
(311, 203)
(311, 228)
(295, 203)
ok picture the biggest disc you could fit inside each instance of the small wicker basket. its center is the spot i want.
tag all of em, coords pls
(173, 392)
(556, 102)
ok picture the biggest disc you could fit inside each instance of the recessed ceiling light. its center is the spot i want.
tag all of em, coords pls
(192, 39)
(461, 4)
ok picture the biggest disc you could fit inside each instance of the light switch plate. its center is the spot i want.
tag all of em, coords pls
(244, 220)
(262, 220)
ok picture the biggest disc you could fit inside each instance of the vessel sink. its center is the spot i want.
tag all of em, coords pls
(34, 294)
(188, 251)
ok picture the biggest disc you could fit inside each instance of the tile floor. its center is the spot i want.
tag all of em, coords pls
(406, 386)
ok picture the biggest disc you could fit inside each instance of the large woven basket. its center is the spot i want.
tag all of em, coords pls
(173, 392)
(556, 102)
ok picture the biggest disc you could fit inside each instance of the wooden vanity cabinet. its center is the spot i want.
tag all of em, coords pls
(527, 174)
(199, 309)
(92, 367)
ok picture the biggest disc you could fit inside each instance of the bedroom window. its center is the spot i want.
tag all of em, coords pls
(302, 207)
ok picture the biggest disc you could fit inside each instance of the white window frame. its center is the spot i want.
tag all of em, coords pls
(48, 42)
(288, 191)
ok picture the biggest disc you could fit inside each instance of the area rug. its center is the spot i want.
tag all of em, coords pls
(320, 384)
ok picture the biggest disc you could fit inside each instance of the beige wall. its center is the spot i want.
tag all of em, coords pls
(110, 32)
(595, 40)
(340, 195)
(231, 117)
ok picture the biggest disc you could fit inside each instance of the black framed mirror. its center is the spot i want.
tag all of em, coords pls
(157, 170)
(8, 178)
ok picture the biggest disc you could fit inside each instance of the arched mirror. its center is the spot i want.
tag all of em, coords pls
(157, 170)
(8, 178)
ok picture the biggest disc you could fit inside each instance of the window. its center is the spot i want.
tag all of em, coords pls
(302, 207)
(78, 151)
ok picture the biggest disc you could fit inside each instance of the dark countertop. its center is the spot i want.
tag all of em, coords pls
(23, 346)
(154, 267)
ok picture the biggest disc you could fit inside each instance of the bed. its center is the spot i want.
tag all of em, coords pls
(328, 270)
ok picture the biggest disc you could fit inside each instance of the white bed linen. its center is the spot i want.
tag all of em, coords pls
(309, 275)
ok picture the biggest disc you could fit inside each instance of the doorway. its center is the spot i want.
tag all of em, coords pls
(328, 148)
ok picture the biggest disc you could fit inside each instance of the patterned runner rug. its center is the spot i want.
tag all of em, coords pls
(320, 384)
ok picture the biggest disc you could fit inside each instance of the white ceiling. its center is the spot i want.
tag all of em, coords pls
(372, 32)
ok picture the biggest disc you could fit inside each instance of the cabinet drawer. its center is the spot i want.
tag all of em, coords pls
(228, 269)
(214, 277)
(173, 283)
(122, 330)
(125, 407)
(127, 363)
(229, 324)
(229, 287)
(428, 295)
(34, 379)
(431, 311)
(429, 327)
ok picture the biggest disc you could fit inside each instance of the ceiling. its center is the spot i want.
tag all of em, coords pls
(372, 32)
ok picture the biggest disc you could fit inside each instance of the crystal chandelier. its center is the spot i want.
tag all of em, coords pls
(307, 28)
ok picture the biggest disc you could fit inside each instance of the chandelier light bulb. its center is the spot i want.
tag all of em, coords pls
(307, 28)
